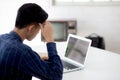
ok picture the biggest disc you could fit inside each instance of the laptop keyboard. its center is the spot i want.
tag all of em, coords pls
(68, 66)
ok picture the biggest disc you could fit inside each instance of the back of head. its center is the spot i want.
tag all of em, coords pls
(30, 13)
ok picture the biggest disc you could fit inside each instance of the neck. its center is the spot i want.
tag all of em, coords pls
(20, 32)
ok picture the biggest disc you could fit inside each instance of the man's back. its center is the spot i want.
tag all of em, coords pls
(20, 62)
(10, 58)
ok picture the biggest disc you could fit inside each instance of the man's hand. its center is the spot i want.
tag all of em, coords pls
(44, 56)
(47, 31)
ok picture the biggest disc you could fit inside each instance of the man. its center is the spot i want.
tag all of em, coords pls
(17, 60)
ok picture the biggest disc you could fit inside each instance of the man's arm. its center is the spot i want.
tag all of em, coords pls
(52, 69)
(32, 64)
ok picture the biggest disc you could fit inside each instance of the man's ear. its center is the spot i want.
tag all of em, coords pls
(30, 28)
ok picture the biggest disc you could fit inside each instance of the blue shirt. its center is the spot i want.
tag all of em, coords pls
(19, 62)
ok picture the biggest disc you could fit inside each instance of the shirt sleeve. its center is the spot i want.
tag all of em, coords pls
(46, 70)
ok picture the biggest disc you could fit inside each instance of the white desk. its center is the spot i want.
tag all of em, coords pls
(100, 65)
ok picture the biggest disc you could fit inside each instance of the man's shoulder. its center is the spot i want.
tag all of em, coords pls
(20, 47)
(2, 36)
(26, 46)
(23, 47)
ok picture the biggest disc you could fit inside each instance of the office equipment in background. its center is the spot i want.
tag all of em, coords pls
(62, 28)
(97, 40)
(76, 52)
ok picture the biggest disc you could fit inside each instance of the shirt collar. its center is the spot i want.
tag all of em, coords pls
(16, 36)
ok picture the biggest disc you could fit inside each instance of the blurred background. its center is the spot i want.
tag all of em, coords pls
(92, 16)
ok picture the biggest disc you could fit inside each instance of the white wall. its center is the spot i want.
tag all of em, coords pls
(104, 20)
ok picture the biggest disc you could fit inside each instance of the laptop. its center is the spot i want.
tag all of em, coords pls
(76, 52)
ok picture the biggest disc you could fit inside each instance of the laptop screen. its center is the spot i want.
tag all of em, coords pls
(77, 48)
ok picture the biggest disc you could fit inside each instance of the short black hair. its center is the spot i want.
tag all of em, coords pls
(30, 13)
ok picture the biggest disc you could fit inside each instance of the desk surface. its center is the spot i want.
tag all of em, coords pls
(100, 65)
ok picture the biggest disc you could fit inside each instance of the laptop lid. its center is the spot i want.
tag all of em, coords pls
(77, 49)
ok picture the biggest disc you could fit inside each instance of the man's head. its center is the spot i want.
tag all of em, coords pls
(30, 13)
(29, 16)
